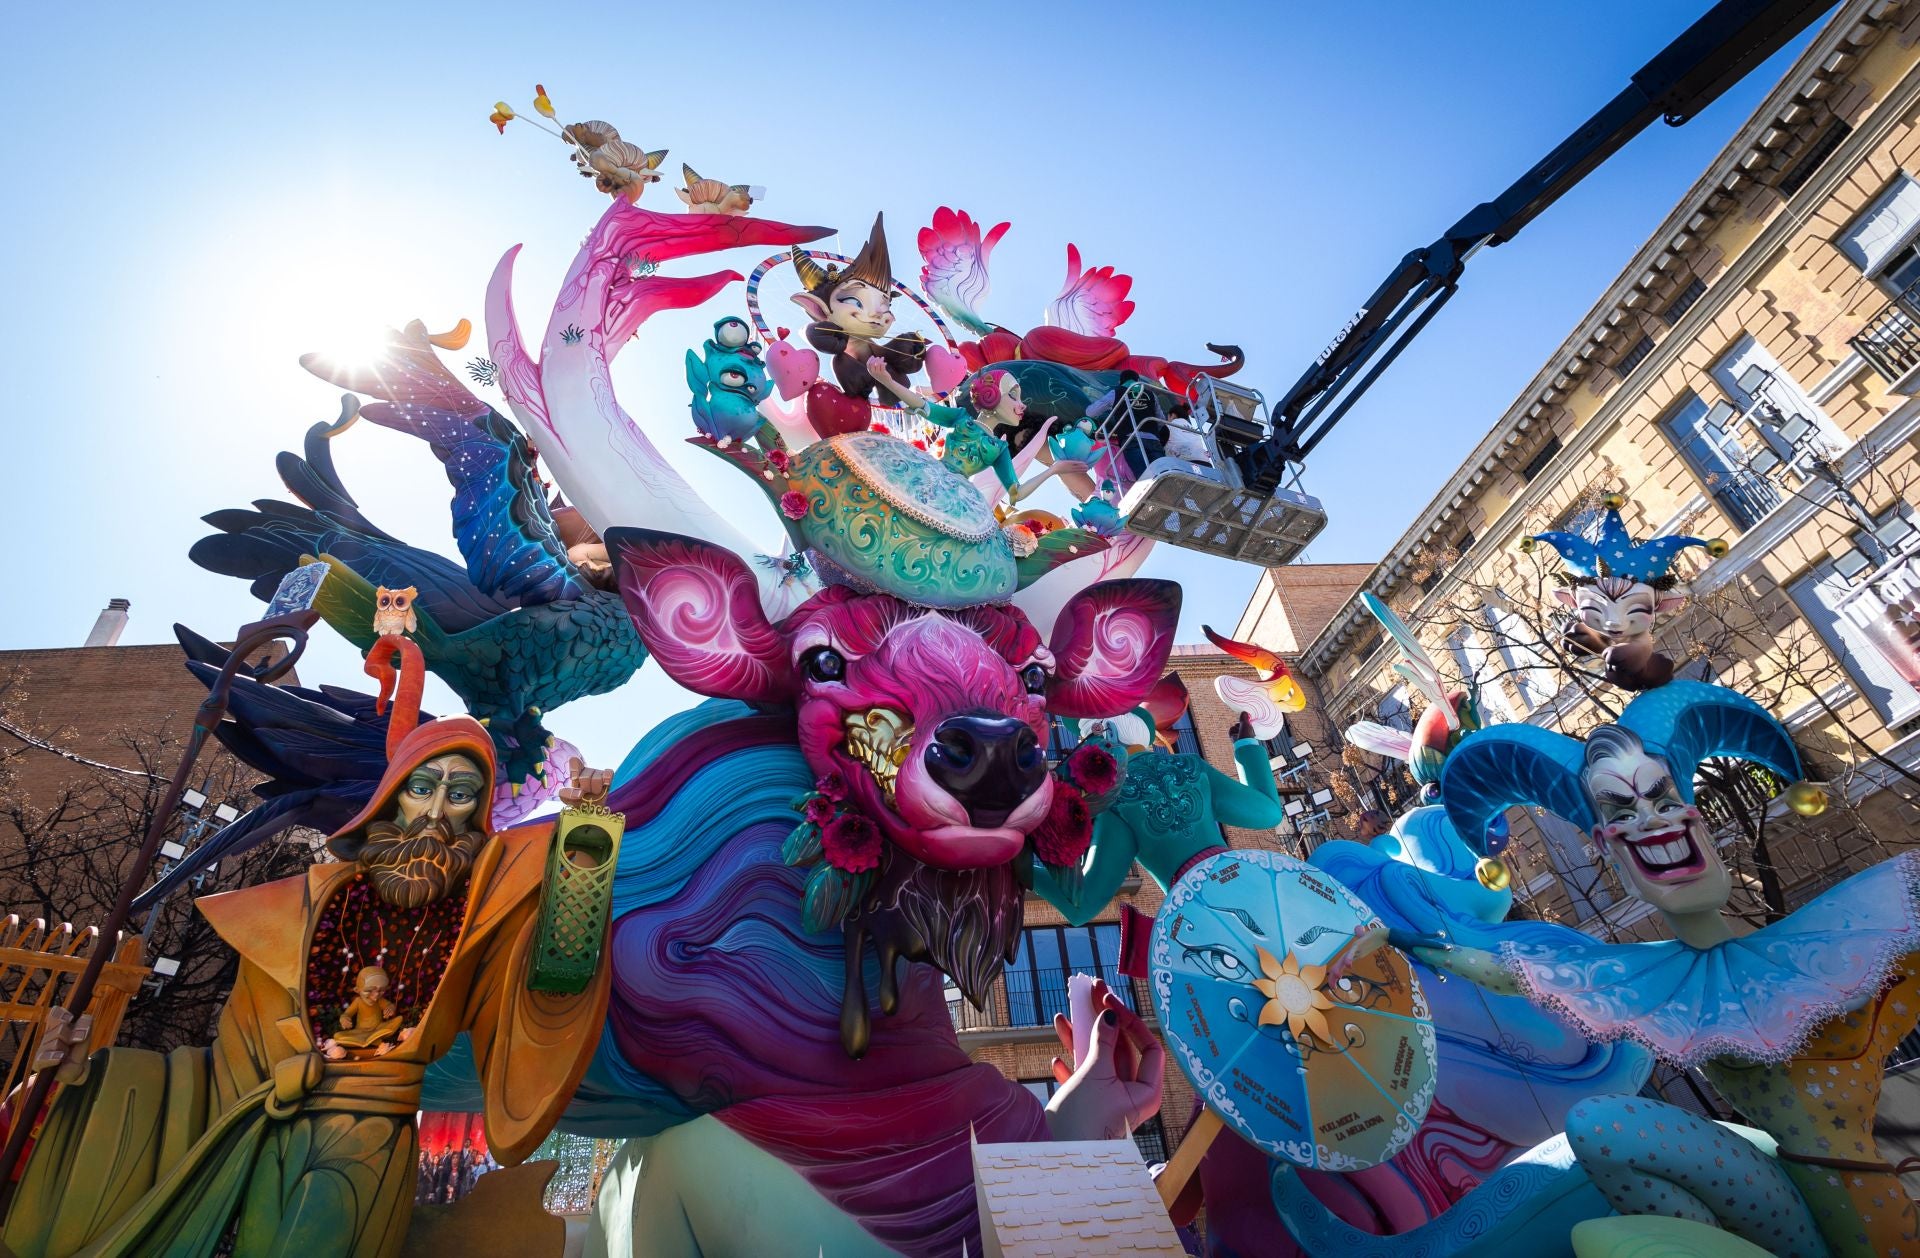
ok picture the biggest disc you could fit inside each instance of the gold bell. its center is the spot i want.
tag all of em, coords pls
(1613, 502)
(1493, 873)
(1716, 547)
(1527, 544)
(1809, 799)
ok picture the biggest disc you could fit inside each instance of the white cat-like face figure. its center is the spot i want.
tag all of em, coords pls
(1619, 610)
(1656, 840)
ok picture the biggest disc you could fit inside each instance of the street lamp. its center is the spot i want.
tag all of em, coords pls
(1795, 440)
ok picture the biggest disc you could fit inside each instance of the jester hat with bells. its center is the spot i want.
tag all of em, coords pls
(1616, 554)
(411, 744)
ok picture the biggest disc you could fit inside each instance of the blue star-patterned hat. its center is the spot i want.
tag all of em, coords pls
(1616, 554)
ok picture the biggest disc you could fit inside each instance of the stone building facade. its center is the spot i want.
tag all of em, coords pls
(1753, 375)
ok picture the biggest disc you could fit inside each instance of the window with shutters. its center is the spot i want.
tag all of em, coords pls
(1538, 463)
(1815, 157)
(1635, 355)
(1533, 675)
(1754, 380)
(1582, 519)
(1695, 289)
(1394, 710)
(1881, 241)
(1470, 657)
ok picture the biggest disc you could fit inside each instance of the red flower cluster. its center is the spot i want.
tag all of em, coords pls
(793, 505)
(1093, 770)
(1062, 838)
(779, 461)
(820, 810)
(852, 843)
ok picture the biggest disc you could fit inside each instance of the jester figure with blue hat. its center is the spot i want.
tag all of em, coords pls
(1617, 589)
(1791, 1022)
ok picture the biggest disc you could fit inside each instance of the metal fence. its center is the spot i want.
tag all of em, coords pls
(1891, 340)
(38, 966)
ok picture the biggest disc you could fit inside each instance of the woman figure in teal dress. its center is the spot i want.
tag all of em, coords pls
(991, 402)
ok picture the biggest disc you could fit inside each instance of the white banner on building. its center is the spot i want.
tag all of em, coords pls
(1886, 611)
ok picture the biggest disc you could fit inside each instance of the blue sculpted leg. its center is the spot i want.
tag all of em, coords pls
(1649, 1157)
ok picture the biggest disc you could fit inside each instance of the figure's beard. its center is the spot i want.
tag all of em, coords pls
(420, 863)
(963, 922)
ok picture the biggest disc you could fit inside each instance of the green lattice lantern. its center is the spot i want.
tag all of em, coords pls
(577, 899)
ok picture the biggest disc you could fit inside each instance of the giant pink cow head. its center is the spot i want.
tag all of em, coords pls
(936, 721)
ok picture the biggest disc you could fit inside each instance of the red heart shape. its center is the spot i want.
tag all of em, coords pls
(832, 413)
(783, 334)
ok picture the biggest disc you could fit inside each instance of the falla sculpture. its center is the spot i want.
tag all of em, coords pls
(734, 950)
(354, 979)
(1617, 590)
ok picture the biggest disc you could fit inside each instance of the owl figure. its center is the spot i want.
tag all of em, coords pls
(393, 612)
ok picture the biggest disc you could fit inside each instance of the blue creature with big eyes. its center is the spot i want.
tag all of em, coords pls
(728, 384)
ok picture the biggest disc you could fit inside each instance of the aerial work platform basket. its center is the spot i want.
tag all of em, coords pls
(1187, 489)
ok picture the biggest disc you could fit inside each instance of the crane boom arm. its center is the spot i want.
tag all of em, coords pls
(1713, 54)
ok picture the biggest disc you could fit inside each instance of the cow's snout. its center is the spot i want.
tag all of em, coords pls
(990, 764)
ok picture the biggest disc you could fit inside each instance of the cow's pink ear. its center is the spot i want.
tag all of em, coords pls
(1110, 645)
(1565, 596)
(697, 607)
(1669, 600)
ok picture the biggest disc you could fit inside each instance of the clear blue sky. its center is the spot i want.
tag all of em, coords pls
(197, 195)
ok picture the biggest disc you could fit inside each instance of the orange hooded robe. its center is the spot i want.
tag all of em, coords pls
(261, 1135)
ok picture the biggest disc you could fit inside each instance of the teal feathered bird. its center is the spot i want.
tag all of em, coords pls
(517, 632)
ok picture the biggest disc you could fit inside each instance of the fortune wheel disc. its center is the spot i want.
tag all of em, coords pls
(1333, 1074)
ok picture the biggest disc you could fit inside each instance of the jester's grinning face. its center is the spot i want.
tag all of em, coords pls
(1656, 840)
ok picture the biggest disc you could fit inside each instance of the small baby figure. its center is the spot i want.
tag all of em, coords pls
(371, 1019)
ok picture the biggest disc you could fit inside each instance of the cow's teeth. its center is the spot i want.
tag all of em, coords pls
(879, 739)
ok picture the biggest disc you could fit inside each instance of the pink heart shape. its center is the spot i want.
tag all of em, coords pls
(792, 369)
(945, 369)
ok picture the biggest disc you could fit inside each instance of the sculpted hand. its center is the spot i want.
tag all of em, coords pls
(590, 786)
(1119, 1083)
(1365, 942)
(63, 1045)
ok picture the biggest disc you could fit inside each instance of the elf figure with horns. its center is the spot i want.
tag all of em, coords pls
(293, 1132)
(1617, 589)
(850, 310)
(1792, 1023)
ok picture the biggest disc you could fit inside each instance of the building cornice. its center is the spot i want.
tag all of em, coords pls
(1886, 114)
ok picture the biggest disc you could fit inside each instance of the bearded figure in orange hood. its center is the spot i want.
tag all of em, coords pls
(293, 1133)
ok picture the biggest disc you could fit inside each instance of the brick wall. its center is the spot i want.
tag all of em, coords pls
(92, 700)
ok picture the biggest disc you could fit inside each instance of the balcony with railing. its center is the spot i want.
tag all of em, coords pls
(1891, 340)
(1034, 995)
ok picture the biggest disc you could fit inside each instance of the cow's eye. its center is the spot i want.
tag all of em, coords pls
(1035, 678)
(823, 663)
